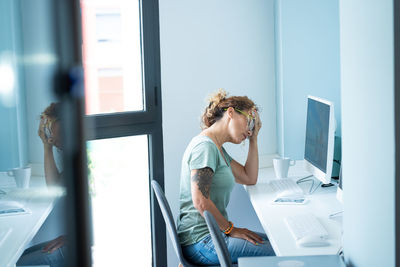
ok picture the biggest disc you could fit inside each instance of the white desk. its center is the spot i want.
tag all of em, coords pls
(321, 203)
(294, 261)
(40, 201)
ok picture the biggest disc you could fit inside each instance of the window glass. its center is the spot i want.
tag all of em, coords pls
(112, 56)
(119, 189)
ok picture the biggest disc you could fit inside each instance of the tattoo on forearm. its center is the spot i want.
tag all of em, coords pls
(203, 178)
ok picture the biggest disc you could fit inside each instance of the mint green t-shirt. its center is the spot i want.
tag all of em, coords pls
(200, 153)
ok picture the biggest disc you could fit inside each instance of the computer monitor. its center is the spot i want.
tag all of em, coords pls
(339, 192)
(320, 136)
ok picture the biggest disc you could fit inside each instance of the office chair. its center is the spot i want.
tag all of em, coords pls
(169, 222)
(222, 251)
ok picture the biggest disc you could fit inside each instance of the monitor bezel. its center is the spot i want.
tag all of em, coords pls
(315, 171)
(339, 191)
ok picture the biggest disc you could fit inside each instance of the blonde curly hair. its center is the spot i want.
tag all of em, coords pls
(218, 102)
(50, 115)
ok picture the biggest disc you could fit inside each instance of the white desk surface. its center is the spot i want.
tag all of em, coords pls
(40, 201)
(293, 261)
(321, 203)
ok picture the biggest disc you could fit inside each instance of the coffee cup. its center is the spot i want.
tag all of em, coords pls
(22, 176)
(281, 166)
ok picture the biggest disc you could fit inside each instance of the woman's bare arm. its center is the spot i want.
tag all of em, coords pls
(201, 186)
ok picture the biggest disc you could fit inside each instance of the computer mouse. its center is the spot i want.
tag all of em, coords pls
(313, 241)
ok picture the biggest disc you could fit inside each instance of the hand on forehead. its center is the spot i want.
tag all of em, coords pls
(253, 112)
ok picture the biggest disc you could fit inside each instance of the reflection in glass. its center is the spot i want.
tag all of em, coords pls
(119, 186)
(12, 115)
(31, 205)
(31, 211)
(46, 191)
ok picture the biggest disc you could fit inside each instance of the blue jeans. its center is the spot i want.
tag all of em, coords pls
(204, 253)
(35, 256)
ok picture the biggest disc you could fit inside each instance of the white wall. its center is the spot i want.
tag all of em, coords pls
(205, 45)
(308, 63)
(366, 50)
(39, 61)
(14, 147)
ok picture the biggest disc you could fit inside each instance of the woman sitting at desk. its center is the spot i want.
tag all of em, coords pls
(208, 175)
(51, 252)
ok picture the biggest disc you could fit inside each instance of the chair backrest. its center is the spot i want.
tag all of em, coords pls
(218, 241)
(169, 221)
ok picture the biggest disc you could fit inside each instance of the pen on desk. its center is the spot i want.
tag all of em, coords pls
(335, 214)
(8, 211)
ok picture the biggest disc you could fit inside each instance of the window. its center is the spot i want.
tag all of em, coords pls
(123, 120)
(118, 183)
(112, 56)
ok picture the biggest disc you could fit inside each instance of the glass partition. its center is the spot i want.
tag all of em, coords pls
(32, 193)
(43, 154)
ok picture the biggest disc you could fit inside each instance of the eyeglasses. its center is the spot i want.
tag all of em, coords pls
(251, 119)
(47, 128)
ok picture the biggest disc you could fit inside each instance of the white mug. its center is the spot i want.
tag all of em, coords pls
(281, 166)
(22, 176)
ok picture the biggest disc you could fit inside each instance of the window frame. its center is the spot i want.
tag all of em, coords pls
(79, 128)
(125, 122)
(147, 121)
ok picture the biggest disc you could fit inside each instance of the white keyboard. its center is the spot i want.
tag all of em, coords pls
(306, 226)
(282, 185)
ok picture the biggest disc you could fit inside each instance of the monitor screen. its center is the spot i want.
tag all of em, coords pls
(317, 134)
(320, 138)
